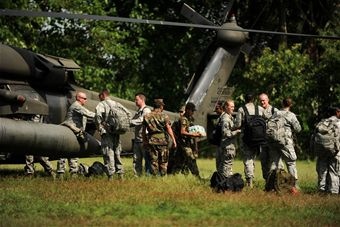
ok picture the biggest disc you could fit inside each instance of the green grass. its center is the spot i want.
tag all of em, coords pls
(170, 201)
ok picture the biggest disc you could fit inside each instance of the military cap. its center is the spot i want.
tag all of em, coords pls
(190, 106)
(158, 102)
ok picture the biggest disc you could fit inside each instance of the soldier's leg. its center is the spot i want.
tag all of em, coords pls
(249, 164)
(138, 158)
(265, 161)
(322, 170)
(226, 163)
(108, 154)
(164, 157)
(29, 164)
(153, 152)
(117, 151)
(73, 165)
(334, 174)
(289, 157)
(61, 166)
(46, 164)
(191, 162)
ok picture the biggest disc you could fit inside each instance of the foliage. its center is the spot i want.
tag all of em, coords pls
(169, 201)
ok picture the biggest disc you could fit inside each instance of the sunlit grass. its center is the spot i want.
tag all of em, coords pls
(170, 201)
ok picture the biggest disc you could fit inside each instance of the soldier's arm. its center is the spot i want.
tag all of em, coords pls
(99, 118)
(171, 133)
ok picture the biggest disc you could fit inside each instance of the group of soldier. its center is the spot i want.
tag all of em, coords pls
(272, 155)
(170, 148)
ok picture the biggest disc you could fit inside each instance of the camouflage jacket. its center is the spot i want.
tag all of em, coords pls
(77, 115)
(184, 140)
(292, 124)
(155, 124)
(228, 132)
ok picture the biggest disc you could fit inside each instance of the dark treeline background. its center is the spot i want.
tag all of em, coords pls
(160, 60)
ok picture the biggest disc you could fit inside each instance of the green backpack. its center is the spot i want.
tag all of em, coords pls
(326, 138)
(280, 181)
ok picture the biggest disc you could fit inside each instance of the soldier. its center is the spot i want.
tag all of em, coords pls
(287, 152)
(329, 164)
(44, 161)
(138, 148)
(156, 129)
(249, 153)
(219, 110)
(268, 111)
(111, 145)
(227, 149)
(187, 143)
(76, 119)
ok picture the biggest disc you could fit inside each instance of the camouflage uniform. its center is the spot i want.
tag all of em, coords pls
(188, 147)
(287, 153)
(155, 124)
(330, 166)
(227, 150)
(75, 119)
(138, 148)
(249, 154)
(44, 161)
(110, 143)
(265, 149)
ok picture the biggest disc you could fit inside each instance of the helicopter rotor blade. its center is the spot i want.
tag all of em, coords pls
(193, 16)
(28, 13)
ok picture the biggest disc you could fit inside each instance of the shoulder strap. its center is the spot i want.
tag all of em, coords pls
(245, 110)
(256, 110)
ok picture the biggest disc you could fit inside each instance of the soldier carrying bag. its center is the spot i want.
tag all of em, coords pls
(118, 119)
(254, 128)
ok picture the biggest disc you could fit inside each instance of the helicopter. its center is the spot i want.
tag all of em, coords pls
(33, 83)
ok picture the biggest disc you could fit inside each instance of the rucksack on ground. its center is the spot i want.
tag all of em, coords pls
(325, 139)
(118, 119)
(220, 183)
(96, 169)
(276, 129)
(254, 133)
(280, 181)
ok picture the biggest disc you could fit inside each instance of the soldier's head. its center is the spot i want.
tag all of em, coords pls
(229, 106)
(219, 108)
(249, 98)
(190, 108)
(81, 97)
(158, 104)
(335, 111)
(140, 99)
(181, 111)
(287, 102)
(103, 94)
(264, 100)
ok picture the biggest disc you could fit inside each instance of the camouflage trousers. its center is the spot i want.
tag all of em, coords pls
(44, 161)
(159, 156)
(249, 156)
(225, 159)
(287, 154)
(334, 174)
(111, 149)
(72, 163)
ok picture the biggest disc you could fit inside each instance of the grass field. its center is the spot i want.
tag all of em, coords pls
(170, 201)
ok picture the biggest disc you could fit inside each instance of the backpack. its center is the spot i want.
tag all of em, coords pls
(276, 129)
(254, 128)
(215, 136)
(325, 138)
(280, 181)
(220, 183)
(118, 119)
(96, 169)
